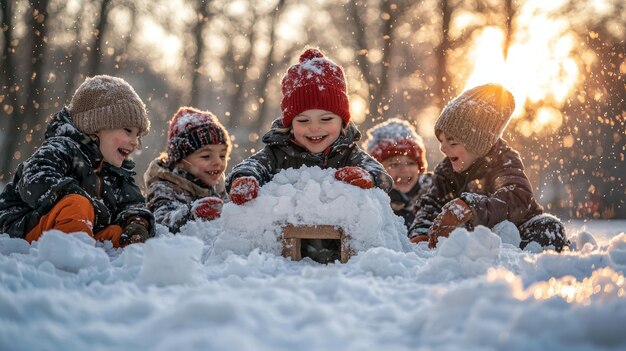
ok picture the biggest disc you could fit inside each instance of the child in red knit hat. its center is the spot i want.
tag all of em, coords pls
(399, 148)
(187, 182)
(314, 130)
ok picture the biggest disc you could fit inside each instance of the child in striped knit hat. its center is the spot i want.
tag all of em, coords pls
(399, 148)
(187, 182)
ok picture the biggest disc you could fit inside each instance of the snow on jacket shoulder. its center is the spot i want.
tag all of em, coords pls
(280, 152)
(495, 187)
(172, 190)
(69, 162)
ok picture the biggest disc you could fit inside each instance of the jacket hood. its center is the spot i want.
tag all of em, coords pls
(159, 170)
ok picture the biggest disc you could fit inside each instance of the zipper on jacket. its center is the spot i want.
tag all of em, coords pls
(99, 179)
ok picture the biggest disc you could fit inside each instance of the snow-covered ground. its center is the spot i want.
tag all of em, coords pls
(222, 285)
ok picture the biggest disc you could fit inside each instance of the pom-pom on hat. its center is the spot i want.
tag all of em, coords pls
(315, 82)
(191, 129)
(105, 102)
(477, 117)
(396, 137)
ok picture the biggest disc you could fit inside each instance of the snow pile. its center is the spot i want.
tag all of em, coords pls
(309, 196)
(188, 291)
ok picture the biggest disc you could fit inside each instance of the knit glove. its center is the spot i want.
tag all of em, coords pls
(244, 189)
(208, 208)
(136, 231)
(453, 214)
(356, 176)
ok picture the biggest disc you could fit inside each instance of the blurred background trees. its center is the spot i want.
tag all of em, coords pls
(564, 61)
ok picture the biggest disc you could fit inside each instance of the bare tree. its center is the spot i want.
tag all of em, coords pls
(9, 103)
(95, 54)
(203, 17)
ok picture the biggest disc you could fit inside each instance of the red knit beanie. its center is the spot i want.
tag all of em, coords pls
(396, 137)
(190, 129)
(315, 83)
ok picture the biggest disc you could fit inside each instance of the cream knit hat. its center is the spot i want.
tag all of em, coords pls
(105, 102)
(477, 117)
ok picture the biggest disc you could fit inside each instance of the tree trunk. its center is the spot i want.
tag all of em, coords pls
(96, 54)
(9, 106)
(32, 118)
(442, 81)
(201, 22)
(268, 70)
(510, 12)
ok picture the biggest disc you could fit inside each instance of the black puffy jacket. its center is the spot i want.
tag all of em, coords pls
(70, 162)
(281, 152)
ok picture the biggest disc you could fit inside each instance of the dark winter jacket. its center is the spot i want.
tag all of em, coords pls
(404, 204)
(171, 192)
(70, 162)
(495, 187)
(281, 152)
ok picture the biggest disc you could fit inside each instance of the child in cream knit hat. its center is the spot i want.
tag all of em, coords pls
(481, 181)
(80, 179)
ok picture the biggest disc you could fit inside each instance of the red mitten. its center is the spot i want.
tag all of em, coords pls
(356, 176)
(453, 214)
(244, 189)
(208, 208)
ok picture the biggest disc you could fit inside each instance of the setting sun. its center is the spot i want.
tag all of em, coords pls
(538, 69)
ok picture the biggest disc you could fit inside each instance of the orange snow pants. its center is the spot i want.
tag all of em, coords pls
(74, 213)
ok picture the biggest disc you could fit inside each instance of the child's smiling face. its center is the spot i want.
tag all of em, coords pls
(459, 156)
(316, 130)
(207, 163)
(403, 170)
(117, 144)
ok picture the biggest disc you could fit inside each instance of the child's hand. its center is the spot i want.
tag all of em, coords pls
(244, 189)
(208, 208)
(356, 176)
(455, 213)
(136, 231)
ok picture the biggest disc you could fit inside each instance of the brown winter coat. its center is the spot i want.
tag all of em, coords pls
(495, 187)
(171, 192)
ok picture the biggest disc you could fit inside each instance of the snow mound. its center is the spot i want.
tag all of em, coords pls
(310, 196)
(71, 255)
(463, 254)
(171, 260)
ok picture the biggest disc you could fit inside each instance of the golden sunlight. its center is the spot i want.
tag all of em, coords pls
(357, 108)
(539, 69)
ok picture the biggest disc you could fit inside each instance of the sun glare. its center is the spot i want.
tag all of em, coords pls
(538, 70)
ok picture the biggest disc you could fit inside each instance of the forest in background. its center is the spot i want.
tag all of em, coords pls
(564, 61)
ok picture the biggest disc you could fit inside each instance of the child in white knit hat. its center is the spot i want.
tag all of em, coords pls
(397, 146)
(481, 181)
(80, 179)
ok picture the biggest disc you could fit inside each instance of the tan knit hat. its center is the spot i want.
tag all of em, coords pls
(105, 102)
(477, 117)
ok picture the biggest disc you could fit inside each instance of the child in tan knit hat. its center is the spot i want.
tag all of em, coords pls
(481, 181)
(187, 182)
(80, 179)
